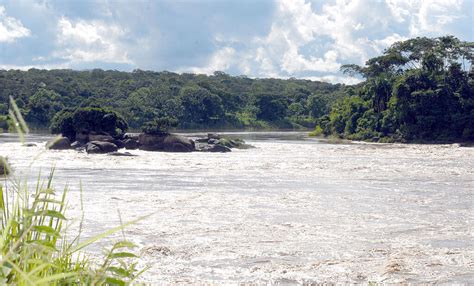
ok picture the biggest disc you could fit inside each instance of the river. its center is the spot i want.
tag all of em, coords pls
(293, 210)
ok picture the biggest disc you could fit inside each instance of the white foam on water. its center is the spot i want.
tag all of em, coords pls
(288, 211)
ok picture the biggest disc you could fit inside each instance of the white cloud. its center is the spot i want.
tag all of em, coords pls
(220, 61)
(335, 79)
(11, 29)
(310, 43)
(90, 41)
(434, 15)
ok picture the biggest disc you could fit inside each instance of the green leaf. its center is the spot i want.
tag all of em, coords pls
(119, 271)
(114, 281)
(122, 255)
(50, 213)
(47, 230)
(107, 233)
(124, 243)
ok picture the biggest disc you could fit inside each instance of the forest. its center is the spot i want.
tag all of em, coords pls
(194, 101)
(418, 90)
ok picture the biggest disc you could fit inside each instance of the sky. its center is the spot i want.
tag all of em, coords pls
(308, 39)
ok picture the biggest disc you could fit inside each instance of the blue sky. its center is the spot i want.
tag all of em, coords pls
(258, 38)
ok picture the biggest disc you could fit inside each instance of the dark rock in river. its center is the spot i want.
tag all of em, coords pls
(119, 143)
(177, 143)
(213, 141)
(133, 136)
(77, 144)
(201, 140)
(149, 142)
(98, 147)
(213, 136)
(131, 144)
(101, 138)
(29, 145)
(203, 147)
(124, 154)
(59, 143)
(165, 142)
(82, 136)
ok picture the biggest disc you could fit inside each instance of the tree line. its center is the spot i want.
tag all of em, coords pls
(421, 89)
(418, 90)
(193, 101)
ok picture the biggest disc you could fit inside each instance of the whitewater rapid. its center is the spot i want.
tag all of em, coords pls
(293, 210)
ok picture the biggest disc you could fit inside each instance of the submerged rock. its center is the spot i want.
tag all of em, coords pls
(59, 143)
(131, 144)
(124, 154)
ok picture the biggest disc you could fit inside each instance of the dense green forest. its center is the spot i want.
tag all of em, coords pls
(419, 90)
(193, 100)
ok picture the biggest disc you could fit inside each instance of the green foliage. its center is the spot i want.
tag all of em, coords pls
(35, 248)
(160, 126)
(42, 106)
(418, 90)
(271, 107)
(88, 119)
(197, 101)
(5, 124)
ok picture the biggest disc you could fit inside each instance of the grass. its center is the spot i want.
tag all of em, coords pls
(35, 248)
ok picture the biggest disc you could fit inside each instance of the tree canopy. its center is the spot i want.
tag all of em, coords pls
(421, 89)
(195, 100)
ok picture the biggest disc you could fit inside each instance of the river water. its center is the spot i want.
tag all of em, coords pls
(293, 210)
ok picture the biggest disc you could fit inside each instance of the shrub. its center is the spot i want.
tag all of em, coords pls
(159, 126)
(89, 119)
(318, 131)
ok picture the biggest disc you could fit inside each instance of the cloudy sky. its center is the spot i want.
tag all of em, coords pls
(259, 38)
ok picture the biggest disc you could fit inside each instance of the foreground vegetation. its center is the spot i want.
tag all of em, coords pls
(35, 248)
(418, 90)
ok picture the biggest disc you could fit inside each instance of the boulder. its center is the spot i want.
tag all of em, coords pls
(29, 145)
(213, 141)
(101, 137)
(202, 147)
(213, 136)
(98, 147)
(78, 145)
(201, 140)
(133, 136)
(235, 143)
(119, 143)
(93, 149)
(59, 143)
(165, 142)
(177, 143)
(150, 142)
(82, 136)
(131, 144)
